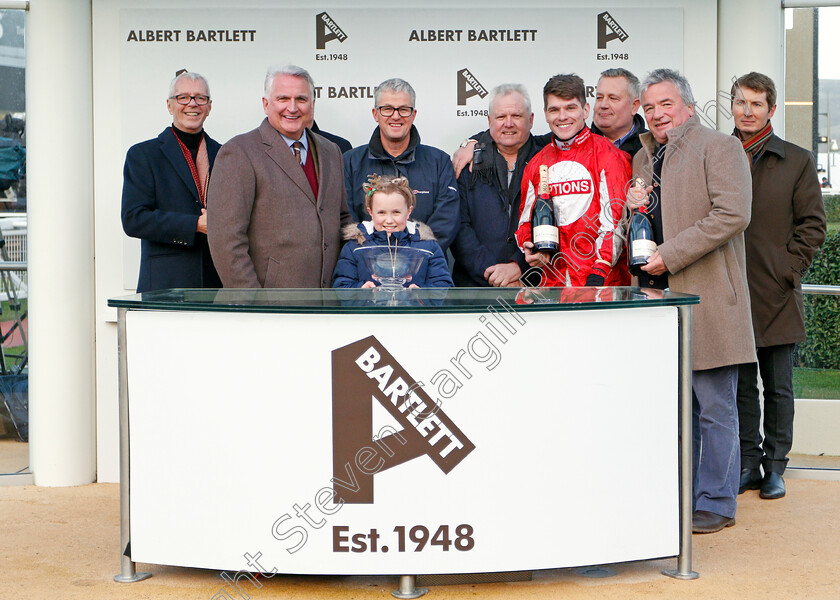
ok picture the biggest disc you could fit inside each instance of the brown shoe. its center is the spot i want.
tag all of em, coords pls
(704, 521)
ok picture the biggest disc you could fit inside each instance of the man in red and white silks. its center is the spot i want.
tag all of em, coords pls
(587, 178)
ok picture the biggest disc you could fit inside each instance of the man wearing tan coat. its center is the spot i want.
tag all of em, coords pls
(276, 200)
(698, 194)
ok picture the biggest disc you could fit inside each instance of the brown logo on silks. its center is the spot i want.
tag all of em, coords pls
(365, 372)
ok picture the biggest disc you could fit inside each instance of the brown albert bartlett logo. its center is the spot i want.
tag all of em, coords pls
(365, 372)
(327, 30)
(469, 86)
(609, 30)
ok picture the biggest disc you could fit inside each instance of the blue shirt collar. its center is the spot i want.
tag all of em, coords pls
(623, 139)
(303, 140)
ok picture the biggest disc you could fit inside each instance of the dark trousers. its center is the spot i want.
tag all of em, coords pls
(776, 366)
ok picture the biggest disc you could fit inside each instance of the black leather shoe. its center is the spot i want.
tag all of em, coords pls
(772, 486)
(704, 521)
(750, 480)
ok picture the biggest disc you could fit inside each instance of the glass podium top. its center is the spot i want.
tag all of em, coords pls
(356, 300)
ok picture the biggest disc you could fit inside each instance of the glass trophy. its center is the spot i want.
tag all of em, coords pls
(392, 267)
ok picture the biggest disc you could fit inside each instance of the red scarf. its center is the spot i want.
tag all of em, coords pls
(200, 167)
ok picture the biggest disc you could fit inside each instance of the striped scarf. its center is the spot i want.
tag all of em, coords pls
(754, 145)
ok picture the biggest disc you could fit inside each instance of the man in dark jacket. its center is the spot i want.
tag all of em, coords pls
(164, 193)
(787, 227)
(485, 249)
(343, 144)
(616, 105)
(614, 117)
(395, 149)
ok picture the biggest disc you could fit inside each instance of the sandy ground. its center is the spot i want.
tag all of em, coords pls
(64, 543)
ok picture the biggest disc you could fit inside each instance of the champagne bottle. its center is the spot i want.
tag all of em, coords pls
(544, 232)
(640, 239)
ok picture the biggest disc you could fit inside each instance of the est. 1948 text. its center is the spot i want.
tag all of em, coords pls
(414, 539)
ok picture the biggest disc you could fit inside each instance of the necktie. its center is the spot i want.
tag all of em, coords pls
(297, 147)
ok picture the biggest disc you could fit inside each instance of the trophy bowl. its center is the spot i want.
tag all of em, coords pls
(392, 267)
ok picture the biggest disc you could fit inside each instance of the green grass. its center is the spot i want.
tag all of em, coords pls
(816, 383)
(7, 314)
(13, 357)
(833, 227)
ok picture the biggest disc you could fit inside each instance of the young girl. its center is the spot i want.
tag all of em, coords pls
(389, 202)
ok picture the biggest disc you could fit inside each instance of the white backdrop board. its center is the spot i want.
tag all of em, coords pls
(452, 57)
(235, 452)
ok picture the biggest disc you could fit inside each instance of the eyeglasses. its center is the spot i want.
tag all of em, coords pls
(201, 100)
(403, 111)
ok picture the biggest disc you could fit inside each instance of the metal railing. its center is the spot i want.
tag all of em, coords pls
(821, 290)
(13, 265)
(15, 244)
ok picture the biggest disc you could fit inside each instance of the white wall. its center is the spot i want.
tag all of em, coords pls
(741, 50)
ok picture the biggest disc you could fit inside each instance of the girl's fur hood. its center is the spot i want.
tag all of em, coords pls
(354, 231)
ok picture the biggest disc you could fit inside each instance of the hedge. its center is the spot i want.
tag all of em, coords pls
(832, 208)
(822, 313)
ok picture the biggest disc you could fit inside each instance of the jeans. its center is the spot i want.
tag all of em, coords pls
(776, 366)
(715, 437)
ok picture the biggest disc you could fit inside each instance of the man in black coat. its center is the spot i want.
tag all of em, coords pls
(616, 105)
(164, 193)
(343, 144)
(485, 250)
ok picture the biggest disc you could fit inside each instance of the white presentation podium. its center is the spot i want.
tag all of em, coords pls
(416, 432)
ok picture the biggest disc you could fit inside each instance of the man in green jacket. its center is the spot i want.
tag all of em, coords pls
(787, 228)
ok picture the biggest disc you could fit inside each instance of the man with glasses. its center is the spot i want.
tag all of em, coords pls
(395, 149)
(164, 194)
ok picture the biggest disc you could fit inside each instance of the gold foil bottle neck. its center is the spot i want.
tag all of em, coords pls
(543, 189)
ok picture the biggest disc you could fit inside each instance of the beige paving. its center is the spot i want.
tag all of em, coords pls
(64, 543)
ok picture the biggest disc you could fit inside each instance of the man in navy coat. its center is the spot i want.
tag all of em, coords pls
(395, 149)
(485, 249)
(164, 195)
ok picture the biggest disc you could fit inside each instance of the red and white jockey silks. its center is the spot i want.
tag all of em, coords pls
(587, 179)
